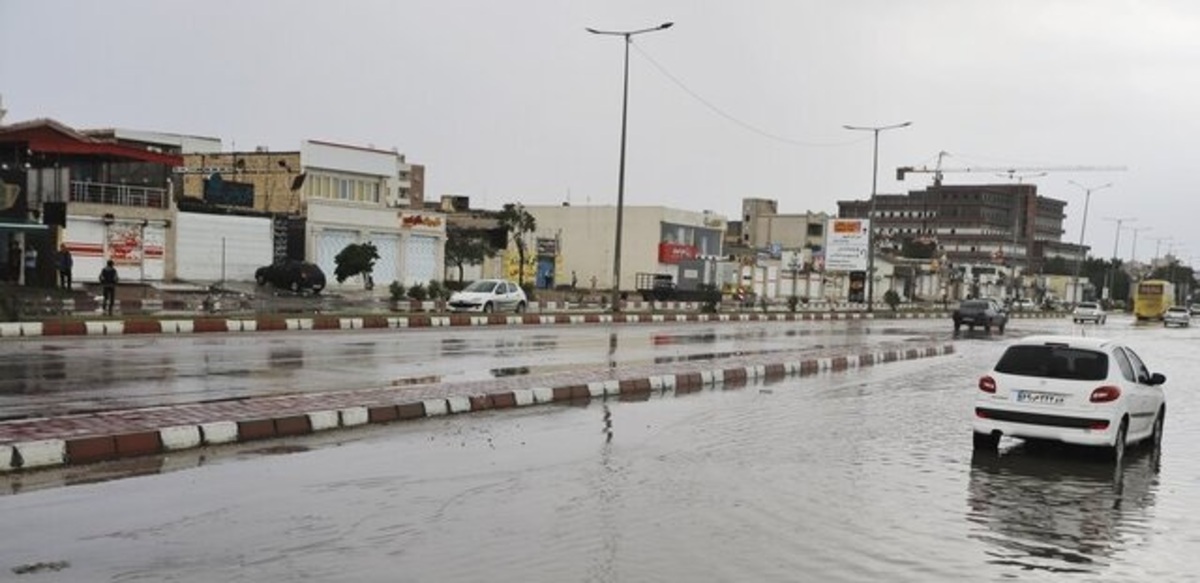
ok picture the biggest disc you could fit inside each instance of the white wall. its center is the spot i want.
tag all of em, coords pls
(206, 242)
(348, 159)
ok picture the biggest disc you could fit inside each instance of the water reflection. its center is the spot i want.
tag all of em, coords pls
(1044, 511)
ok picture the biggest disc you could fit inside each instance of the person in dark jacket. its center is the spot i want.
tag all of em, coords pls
(65, 264)
(108, 279)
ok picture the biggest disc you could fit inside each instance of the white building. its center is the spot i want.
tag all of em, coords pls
(581, 239)
(356, 195)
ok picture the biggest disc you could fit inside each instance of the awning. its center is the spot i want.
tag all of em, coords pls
(22, 227)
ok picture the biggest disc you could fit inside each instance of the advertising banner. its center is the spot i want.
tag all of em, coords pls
(846, 242)
(676, 252)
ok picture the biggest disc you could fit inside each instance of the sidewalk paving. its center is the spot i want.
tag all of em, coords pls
(82, 439)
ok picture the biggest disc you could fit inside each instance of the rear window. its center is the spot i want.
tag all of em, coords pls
(1056, 362)
(974, 305)
(1087, 306)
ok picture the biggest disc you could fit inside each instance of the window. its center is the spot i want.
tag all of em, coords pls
(1058, 362)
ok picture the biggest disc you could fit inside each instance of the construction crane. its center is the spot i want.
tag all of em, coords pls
(1011, 171)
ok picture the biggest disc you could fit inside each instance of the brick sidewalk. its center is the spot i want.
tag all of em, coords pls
(81, 439)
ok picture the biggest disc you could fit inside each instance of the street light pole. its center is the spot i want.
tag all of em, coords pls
(1082, 229)
(1111, 279)
(628, 35)
(871, 207)
(1133, 252)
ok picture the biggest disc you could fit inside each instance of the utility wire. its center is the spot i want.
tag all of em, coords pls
(735, 120)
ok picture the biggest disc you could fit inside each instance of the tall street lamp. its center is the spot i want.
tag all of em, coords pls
(1133, 252)
(1083, 229)
(1111, 280)
(628, 34)
(871, 210)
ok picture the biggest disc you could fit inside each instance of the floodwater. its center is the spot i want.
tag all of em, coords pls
(865, 475)
(57, 376)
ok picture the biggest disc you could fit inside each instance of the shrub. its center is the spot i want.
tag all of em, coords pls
(892, 299)
(437, 291)
(792, 302)
(418, 292)
(397, 291)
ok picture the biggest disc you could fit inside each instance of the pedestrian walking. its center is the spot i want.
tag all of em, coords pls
(65, 264)
(574, 280)
(108, 279)
(31, 261)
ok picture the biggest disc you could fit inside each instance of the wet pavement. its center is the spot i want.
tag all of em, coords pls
(62, 376)
(864, 475)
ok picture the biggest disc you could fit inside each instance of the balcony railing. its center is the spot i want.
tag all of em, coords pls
(118, 194)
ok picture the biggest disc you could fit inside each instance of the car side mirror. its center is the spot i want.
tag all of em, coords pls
(1157, 379)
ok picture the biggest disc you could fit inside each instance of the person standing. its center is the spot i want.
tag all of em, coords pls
(65, 264)
(31, 261)
(108, 279)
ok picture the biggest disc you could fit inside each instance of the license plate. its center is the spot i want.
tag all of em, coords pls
(1038, 398)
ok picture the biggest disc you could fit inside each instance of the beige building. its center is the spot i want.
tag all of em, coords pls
(580, 240)
(763, 227)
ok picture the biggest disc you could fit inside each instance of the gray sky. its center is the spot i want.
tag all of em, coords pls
(514, 101)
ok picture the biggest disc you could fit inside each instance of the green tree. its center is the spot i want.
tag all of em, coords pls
(467, 247)
(516, 221)
(892, 299)
(356, 259)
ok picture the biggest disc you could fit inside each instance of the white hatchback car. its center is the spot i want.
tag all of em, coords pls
(489, 295)
(1088, 312)
(1177, 316)
(1084, 391)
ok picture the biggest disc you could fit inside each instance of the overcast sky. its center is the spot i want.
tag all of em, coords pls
(509, 101)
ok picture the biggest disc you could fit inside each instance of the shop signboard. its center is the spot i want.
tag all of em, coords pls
(846, 243)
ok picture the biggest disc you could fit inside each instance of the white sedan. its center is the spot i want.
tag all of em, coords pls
(489, 295)
(1084, 391)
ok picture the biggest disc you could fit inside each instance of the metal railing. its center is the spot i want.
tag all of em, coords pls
(118, 194)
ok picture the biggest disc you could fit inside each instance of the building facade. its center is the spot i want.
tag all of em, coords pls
(578, 241)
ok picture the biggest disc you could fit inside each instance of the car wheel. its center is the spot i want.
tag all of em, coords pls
(1116, 452)
(1104, 319)
(520, 307)
(1000, 329)
(989, 442)
(487, 308)
(1157, 435)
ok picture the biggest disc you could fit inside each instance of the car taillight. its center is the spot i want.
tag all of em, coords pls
(1105, 394)
(1098, 425)
(987, 384)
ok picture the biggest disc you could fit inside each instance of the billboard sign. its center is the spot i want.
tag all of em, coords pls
(846, 243)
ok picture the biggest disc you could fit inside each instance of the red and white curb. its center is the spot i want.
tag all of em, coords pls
(84, 449)
(275, 323)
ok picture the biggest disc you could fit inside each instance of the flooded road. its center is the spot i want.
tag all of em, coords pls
(61, 376)
(866, 475)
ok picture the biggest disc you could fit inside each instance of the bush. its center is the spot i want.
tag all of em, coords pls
(437, 291)
(529, 290)
(892, 299)
(418, 292)
(792, 302)
(712, 298)
(397, 291)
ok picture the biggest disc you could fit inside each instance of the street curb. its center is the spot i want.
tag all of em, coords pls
(143, 325)
(82, 448)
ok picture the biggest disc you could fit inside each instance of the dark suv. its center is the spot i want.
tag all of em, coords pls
(297, 276)
(986, 313)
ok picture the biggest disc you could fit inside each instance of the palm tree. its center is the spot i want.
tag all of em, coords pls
(516, 221)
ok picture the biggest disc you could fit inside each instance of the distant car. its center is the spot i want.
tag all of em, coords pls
(1024, 305)
(297, 276)
(987, 313)
(489, 295)
(1194, 309)
(1177, 316)
(1089, 312)
(1069, 389)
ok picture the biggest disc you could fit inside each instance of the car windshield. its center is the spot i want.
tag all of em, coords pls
(481, 287)
(1058, 362)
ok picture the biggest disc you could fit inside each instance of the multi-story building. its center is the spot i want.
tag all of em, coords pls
(1006, 225)
(100, 197)
(337, 194)
(764, 228)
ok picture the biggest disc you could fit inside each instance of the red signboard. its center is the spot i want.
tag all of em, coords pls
(675, 252)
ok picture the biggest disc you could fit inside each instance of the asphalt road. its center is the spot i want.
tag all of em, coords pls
(63, 375)
(865, 475)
